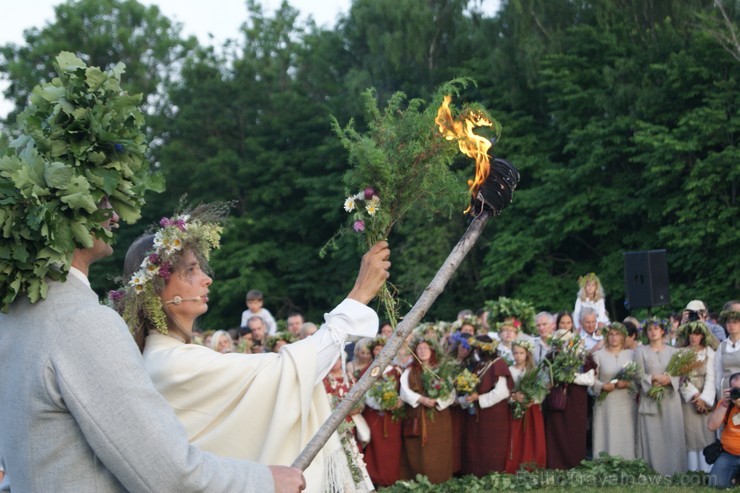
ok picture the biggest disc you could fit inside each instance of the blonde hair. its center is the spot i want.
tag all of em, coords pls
(583, 280)
(529, 362)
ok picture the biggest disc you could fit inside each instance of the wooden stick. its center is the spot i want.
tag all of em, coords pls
(405, 327)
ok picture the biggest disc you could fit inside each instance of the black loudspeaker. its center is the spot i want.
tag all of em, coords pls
(646, 279)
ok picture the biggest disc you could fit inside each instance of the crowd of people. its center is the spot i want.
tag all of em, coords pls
(477, 395)
(128, 396)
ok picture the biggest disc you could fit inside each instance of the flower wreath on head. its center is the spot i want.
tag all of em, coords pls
(486, 347)
(421, 336)
(726, 315)
(698, 327)
(283, 335)
(459, 339)
(591, 276)
(378, 341)
(199, 231)
(523, 343)
(509, 322)
(660, 322)
(469, 320)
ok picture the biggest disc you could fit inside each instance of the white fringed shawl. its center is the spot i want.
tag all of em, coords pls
(260, 407)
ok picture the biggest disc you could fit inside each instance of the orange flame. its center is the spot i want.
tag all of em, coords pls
(470, 144)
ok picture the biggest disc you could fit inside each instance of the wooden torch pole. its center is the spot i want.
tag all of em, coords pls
(409, 322)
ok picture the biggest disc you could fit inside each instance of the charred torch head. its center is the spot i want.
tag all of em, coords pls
(494, 183)
(497, 191)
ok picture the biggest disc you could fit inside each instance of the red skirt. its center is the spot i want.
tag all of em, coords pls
(383, 452)
(527, 441)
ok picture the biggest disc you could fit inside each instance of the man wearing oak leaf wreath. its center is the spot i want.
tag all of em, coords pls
(78, 412)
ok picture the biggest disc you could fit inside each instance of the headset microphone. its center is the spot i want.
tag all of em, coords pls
(176, 300)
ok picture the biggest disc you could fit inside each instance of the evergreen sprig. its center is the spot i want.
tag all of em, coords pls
(400, 162)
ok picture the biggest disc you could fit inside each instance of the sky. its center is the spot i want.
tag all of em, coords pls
(198, 17)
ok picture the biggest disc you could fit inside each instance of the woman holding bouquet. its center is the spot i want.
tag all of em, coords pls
(486, 432)
(698, 394)
(383, 413)
(527, 444)
(566, 405)
(660, 418)
(615, 409)
(427, 428)
(462, 353)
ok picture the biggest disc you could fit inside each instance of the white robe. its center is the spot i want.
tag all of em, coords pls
(261, 407)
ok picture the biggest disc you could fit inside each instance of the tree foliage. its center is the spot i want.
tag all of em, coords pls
(620, 115)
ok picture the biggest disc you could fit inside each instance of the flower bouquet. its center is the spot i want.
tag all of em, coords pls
(565, 360)
(400, 164)
(534, 388)
(466, 382)
(385, 393)
(629, 372)
(436, 385)
(682, 364)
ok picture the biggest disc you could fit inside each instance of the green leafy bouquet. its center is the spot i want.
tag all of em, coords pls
(81, 142)
(566, 360)
(385, 393)
(401, 162)
(437, 383)
(682, 364)
(533, 387)
(629, 372)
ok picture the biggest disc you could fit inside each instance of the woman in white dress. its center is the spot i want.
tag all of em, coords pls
(659, 423)
(698, 392)
(262, 407)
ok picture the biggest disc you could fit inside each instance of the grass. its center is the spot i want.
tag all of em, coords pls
(601, 475)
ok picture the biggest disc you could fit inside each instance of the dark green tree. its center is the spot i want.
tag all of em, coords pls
(102, 33)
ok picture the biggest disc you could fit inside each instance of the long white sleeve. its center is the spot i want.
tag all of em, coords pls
(407, 395)
(349, 319)
(498, 394)
(708, 393)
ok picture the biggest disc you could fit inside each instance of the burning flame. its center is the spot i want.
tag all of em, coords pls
(470, 144)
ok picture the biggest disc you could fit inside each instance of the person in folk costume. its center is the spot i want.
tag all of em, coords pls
(660, 440)
(727, 358)
(591, 295)
(698, 393)
(461, 352)
(337, 383)
(363, 357)
(566, 418)
(527, 443)
(486, 432)
(263, 407)
(383, 452)
(615, 412)
(427, 427)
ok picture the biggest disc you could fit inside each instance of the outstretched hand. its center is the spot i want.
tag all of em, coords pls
(288, 479)
(373, 273)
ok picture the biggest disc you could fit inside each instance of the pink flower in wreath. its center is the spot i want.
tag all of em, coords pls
(359, 226)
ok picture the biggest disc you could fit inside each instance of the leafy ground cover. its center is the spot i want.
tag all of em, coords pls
(605, 473)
